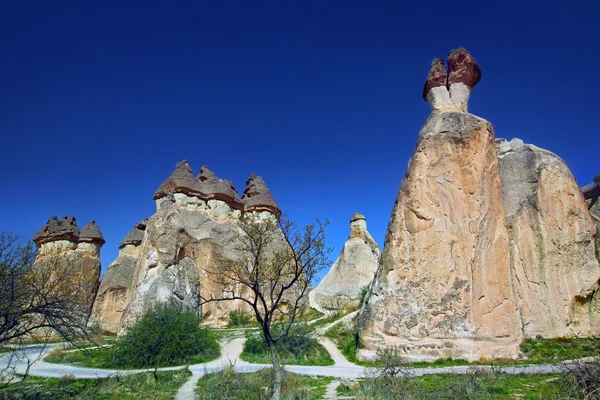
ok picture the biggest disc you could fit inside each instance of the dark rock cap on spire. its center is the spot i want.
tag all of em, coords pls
(437, 76)
(356, 216)
(57, 229)
(135, 235)
(212, 187)
(258, 197)
(91, 233)
(592, 190)
(182, 180)
(463, 68)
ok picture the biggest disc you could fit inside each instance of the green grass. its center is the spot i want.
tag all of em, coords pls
(477, 385)
(139, 386)
(311, 314)
(228, 384)
(104, 357)
(311, 353)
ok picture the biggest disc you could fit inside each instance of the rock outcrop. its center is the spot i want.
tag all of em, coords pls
(71, 256)
(443, 287)
(192, 231)
(115, 288)
(352, 272)
(553, 258)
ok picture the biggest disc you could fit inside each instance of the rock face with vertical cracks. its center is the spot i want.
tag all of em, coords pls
(553, 258)
(443, 286)
(353, 271)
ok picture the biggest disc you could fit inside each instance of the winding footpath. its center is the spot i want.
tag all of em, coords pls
(230, 355)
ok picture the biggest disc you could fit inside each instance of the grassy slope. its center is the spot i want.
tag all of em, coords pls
(256, 385)
(140, 386)
(316, 355)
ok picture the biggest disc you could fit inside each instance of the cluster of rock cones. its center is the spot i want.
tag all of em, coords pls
(489, 241)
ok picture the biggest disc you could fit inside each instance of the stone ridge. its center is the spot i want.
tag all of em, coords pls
(258, 197)
(57, 229)
(135, 235)
(91, 233)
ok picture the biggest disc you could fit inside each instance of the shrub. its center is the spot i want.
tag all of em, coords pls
(167, 334)
(363, 295)
(581, 380)
(239, 318)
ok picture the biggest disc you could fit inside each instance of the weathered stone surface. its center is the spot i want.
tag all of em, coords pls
(114, 293)
(592, 190)
(69, 257)
(193, 230)
(438, 77)
(443, 287)
(553, 258)
(258, 197)
(57, 229)
(353, 270)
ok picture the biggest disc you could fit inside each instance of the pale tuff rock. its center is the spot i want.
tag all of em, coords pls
(443, 286)
(115, 288)
(193, 229)
(449, 90)
(353, 270)
(70, 255)
(552, 242)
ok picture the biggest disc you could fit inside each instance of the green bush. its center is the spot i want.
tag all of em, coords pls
(298, 347)
(166, 335)
(239, 318)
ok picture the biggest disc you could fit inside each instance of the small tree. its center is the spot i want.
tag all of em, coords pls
(37, 301)
(276, 263)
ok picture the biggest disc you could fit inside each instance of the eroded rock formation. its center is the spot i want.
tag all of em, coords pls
(553, 256)
(115, 288)
(70, 256)
(443, 287)
(352, 272)
(192, 231)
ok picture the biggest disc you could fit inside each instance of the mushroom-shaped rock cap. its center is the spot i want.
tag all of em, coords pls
(182, 180)
(91, 233)
(135, 235)
(463, 68)
(438, 76)
(64, 228)
(356, 216)
(258, 197)
(213, 187)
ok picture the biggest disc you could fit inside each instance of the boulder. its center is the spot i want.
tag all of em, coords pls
(443, 287)
(352, 272)
(553, 260)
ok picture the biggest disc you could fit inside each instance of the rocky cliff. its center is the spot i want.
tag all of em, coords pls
(71, 256)
(351, 273)
(192, 230)
(115, 288)
(443, 287)
(553, 255)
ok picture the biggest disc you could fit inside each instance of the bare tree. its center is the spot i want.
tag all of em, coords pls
(38, 301)
(277, 261)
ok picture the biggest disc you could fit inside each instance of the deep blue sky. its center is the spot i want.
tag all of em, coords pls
(323, 99)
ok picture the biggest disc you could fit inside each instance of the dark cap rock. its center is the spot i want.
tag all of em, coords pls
(135, 235)
(257, 197)
(438, 76)
(64, 228)
(91, 233)
(592, 190)
(463, 68)
(182, 180)
(356, 216)
(212, 187)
